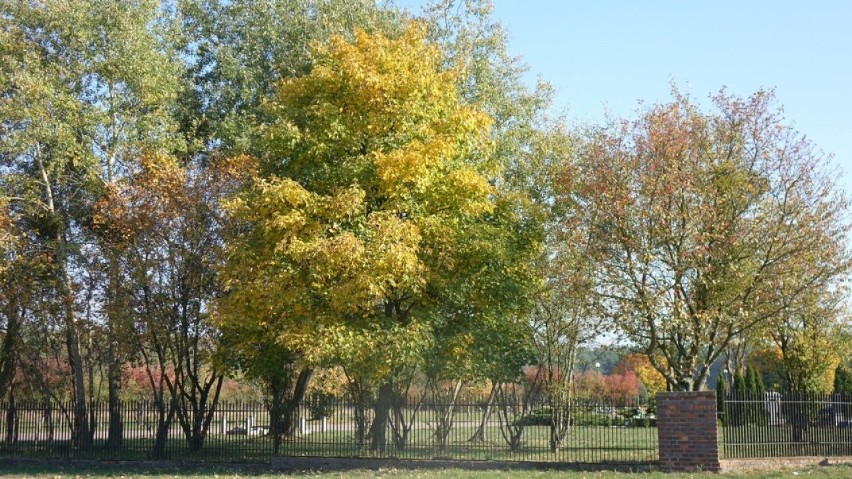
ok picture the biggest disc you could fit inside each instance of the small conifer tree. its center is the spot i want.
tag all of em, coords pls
(842, 380)
(721, 396)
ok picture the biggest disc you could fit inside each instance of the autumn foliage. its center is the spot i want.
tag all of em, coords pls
(376, 179)
(225, 198)
(640, 365)
(709, 225)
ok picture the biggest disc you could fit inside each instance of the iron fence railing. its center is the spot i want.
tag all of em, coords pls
(790, 424)
(595, 432)
(47, 430)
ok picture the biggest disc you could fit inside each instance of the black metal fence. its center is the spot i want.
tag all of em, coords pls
(791, 424)
(596, 432)
(333, 427)
(47, 430)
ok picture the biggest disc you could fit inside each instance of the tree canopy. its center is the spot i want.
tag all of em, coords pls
(376, 209)
(710, 224)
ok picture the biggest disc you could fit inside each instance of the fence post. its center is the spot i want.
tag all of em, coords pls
(686, 427)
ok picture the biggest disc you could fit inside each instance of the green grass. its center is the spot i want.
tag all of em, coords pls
(584, 444)
(107, 471)
(216, 449)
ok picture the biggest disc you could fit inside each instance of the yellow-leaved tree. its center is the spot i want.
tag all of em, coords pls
(378, 226)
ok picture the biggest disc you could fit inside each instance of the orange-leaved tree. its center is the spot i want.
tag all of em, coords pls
(713, 223)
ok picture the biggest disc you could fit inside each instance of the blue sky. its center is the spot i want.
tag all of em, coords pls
(608, 55)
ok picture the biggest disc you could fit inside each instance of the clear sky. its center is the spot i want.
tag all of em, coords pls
(607, 55)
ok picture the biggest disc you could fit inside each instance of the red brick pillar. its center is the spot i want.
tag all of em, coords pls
(686, 426)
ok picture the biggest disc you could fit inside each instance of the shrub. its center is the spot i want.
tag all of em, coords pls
(595, 420)
(321, 405)
(642, 422)
(542, 417)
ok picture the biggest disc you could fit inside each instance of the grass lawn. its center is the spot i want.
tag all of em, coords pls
(584, 444)
(104, 471)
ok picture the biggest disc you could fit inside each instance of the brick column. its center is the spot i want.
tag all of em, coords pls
(686, 426)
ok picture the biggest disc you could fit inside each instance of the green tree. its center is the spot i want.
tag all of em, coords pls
(252, 348)
(754, 383)
(842, 380)
(534, 150)
(738, 410)
(237, 52)
(721, 398)
(755, 394)
(740, 386)
(566, 311)
(807, 335)
(476, 46)
(90, 86)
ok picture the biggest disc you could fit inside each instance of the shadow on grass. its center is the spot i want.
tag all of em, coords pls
(33, 468)
(315, 467)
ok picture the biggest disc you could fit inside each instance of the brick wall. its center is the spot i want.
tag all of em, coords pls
(686, 425)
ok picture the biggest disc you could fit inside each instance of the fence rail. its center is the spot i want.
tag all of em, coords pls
(792, 424)
(598, 433)
(334, 427)
(47, 430)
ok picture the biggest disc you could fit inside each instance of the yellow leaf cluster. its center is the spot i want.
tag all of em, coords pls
(407, 169)
(382, 105)
(640, 364)
(374, 166)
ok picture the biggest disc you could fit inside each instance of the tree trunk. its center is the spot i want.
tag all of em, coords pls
(380, 422)
(276, 429)
(164, 423)
(82, 438)
(560, 420)
(195, 440)
(360, 417)
(11, 421)
(479, 435)
(402, 420)
(9, 348)
(292, 406)
(560, 380)
(445, 417)
(48, 419)
(115, 434)
(400, 426)
(799, 416)
(93, 419)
